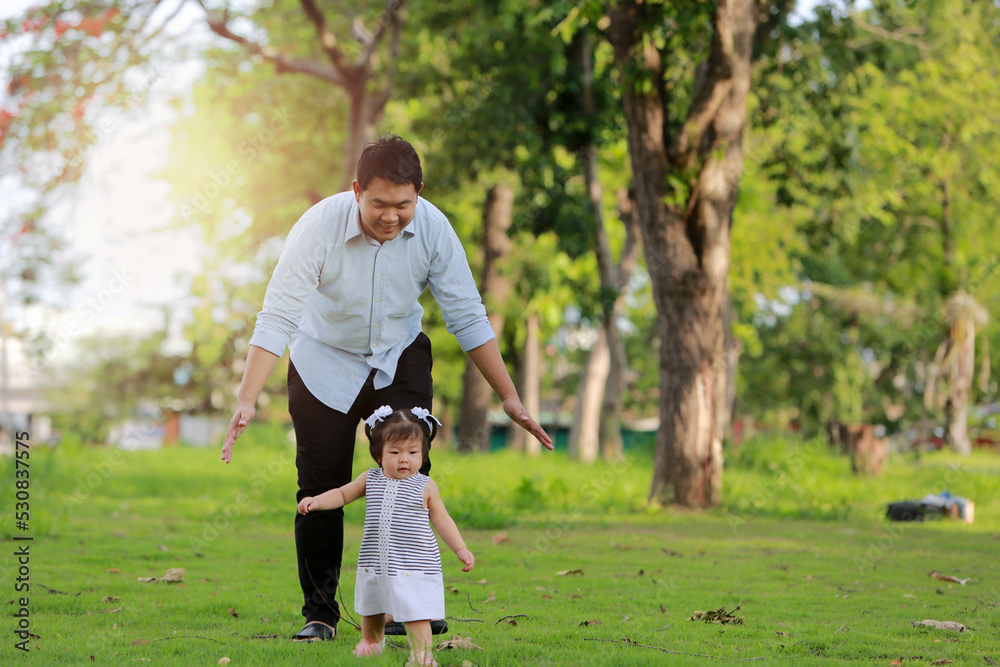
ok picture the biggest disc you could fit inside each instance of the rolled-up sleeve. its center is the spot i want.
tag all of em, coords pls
(454, 288)
(294, 280)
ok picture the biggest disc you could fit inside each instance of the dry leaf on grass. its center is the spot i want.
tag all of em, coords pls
(140, 642)
(109, 598)
(953, 626)
(947, 577)
(500, 538)
(592, 621)
(895, 663)
(174, 575)
(232, 612)
(111, 611)
(988, 661)
(224, 660)
(114, 570)
(563, 573)
(491, 598)
(458, 641)
(942, 661)
(719, 615)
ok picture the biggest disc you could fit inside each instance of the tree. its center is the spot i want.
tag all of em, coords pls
(685, 133)
(883, 149)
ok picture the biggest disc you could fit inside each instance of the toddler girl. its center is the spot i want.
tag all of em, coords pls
(399, 568)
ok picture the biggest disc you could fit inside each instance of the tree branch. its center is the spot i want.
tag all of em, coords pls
(327, 40)
(708, 97)
(900, 35)
(282, 62)
(388, 17)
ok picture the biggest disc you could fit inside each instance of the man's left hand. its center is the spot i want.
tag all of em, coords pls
(519, 415)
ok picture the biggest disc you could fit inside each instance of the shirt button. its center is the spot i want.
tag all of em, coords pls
(378, 275)
(378, 300)
(376, 325)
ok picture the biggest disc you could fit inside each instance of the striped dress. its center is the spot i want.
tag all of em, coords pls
(399, 567)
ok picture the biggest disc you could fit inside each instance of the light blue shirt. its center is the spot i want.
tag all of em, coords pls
(344, 304)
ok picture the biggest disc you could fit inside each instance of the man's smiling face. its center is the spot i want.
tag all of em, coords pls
(386, 208)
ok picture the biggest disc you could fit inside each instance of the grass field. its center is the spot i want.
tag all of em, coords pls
(573, 567)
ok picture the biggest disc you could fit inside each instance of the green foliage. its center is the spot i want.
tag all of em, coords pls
(868, 159)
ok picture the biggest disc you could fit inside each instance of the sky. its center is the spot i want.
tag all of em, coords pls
(131, 264)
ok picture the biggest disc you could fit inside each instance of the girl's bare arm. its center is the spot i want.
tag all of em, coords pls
(445, 526)
(334, 498)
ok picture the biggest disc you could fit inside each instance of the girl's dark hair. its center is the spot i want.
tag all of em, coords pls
(391, 158)
(400, 425)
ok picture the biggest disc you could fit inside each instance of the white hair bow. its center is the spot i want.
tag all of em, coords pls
(425, 415)
(378, 416)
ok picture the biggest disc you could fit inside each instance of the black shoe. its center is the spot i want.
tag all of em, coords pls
(315, 631)
(397, 628)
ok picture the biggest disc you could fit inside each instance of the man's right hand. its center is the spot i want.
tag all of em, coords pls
(244, 413)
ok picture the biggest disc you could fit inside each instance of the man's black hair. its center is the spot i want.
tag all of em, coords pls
(391, 158)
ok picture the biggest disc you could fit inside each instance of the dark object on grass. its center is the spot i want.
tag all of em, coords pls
(397, 628)
(937, 504)
(906, 511)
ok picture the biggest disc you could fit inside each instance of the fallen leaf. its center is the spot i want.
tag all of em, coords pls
(457, 641)
(623, 547)
(111, 611)
(140, 642)
(539, 588)
(671, 552)
(481, 581)
(466, 663)
(562, 573)
(114, 570)
(491, 598)
(942, 661)
(895, 662)
(988, 661)
(453, 590)
(500, 538)
(224, 660)
(783, 634)
(232, 612)
(592, 621)
(546, 597)
(663, 610)
(907, 595)
(164, 548)
(174, 575)
(642, 572)
(948, 577)
(719, 615)
(109, 598)
(953, 626)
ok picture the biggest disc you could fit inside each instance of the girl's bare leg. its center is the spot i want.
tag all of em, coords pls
(373, 628)
(418, 634)
(372, 636)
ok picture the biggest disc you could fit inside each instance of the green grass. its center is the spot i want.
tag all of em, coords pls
(799, 541)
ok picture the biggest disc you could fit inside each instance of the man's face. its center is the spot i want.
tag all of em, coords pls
(386, 207)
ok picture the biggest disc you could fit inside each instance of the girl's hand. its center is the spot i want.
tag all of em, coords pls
(305, 505)
(466, 557)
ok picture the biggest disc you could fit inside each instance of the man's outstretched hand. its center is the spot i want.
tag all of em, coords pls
(519, 415)
(244, 414)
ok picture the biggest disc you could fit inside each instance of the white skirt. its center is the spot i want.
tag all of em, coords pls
(408, 596)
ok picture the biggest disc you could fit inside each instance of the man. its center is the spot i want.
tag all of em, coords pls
(343, 300)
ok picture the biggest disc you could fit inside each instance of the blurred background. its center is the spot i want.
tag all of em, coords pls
(155, 153)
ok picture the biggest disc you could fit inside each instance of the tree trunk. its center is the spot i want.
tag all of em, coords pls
(584, 441)
(473, 429)
(598, 429)
(530, 388)
(360, 129)
(687, 246)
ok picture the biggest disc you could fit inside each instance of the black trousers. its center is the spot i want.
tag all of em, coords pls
(324, 456)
